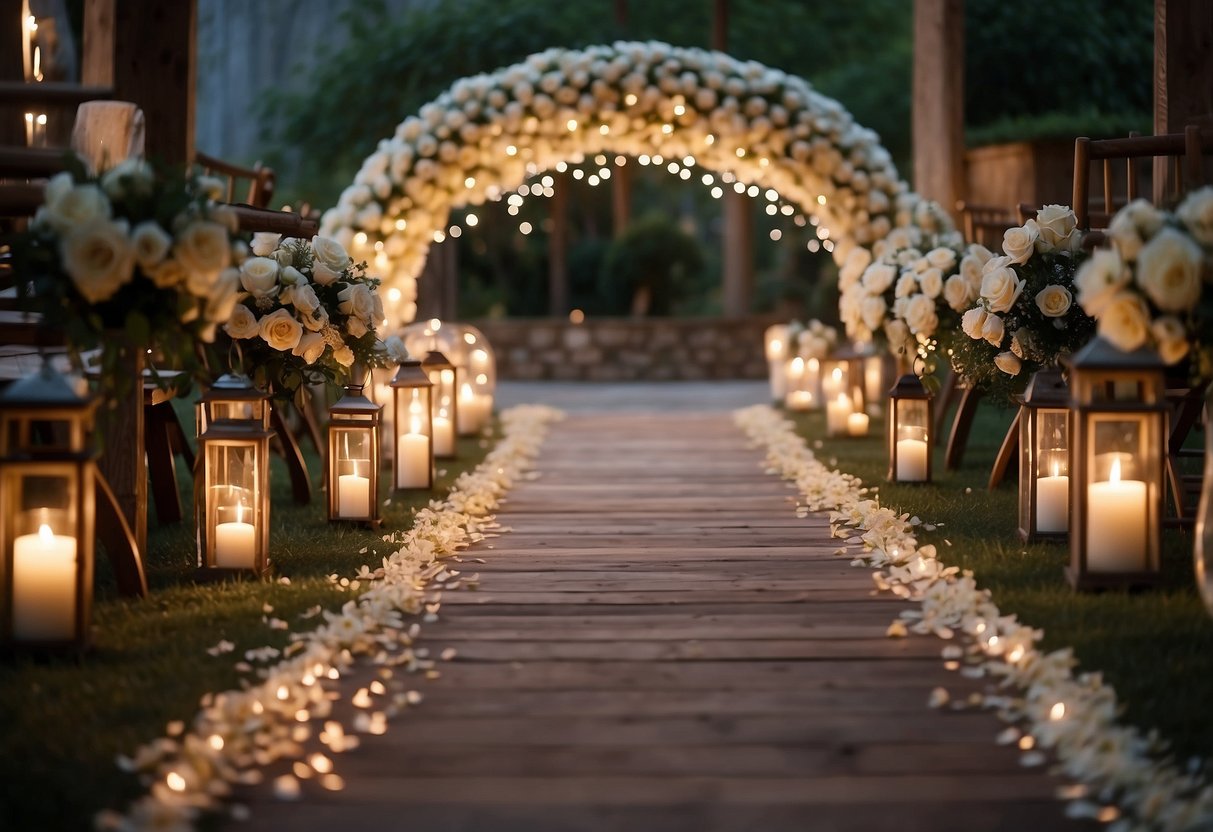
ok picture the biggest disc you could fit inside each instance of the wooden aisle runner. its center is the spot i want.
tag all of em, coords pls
(660, 645)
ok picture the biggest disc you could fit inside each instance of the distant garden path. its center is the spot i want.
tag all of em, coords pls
(659, 643)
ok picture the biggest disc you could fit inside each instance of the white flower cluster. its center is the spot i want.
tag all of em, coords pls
(239, 732)
(814, 339)
(488, 133)
(1120, 774)
(1143, 290)
(893, 291)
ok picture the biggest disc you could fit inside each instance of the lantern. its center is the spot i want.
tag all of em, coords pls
(353, 458)
(232, 489)
(381, 394)
(775, 345)
(1118, 433)
(1044, 465)
(477, 365)
(835, 378)
(46, 513)
(910, 431)
(413, 460)
(445, 377)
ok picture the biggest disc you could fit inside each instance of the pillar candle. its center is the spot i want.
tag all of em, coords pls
(1116, 525)
(837, 412)
(857, 424)
(911, 460)
(444, 436)
(1053, 504)
(798, 400)
(778, 378)
(353, 496)
(235, 545)
(413, 461)
(44, 586)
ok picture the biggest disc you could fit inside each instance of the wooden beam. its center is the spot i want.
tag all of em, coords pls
(938, 103)
(1183, 73)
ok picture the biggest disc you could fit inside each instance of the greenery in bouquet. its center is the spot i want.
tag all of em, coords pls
(1025, 317)
(1152, 287)
(306, 314)
(814, 339)
(129, 261)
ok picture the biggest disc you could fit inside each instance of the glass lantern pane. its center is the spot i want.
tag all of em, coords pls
(1118, 450)
(912, 413)
(1119, 470)
(1052, 443)
(233, 504)
(351, 471)
(45, 556)
(236, 410)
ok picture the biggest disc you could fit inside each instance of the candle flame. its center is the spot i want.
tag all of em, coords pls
(1056, 468)
(45, 535)
(415, 425)
(776, 345)
(814, 365)
(1114, 474)
(798, 365)
(465, 392)
(837, 375)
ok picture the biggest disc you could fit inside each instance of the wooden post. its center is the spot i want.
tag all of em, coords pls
(558, 248)
(122, 461)
(146, 50)
(938, 105)
(1183, 74)
(12, 119)
(737, 258)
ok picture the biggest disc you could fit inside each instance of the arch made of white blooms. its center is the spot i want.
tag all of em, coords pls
(487, 134)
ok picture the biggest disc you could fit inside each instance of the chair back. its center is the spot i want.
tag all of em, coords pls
(259, 189)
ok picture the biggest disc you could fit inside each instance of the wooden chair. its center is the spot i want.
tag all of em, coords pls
(260, 180)
(984, 224)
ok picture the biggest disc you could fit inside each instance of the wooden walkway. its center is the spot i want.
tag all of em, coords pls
(658, 644)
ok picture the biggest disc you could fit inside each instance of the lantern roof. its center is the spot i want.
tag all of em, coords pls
(46, 388)
(435, 360)
(410, 374)
(1101, 354)
(233, 386)
(353, 401)
(1046, 387)
(909, 386)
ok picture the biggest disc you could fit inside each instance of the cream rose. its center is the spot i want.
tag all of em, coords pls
(259, 277)
(1001, 287)
(1135, 223)
(1058, 226)
(872, 311)
(907, 285)
(331, 253)
(280, 330)
(858, 259)
(355, 327)
(920, 315)
(973, 321)
(1168, 270)
(317, 321)
(129, 175)
(1008, 363)
(1019, 243)
(941, 258)
(993, 330)
(898, 334)
(76, 206)
(310, 347)
(303, 298)
(1171, 338)
(932, 282)
(264, 243)
(356, 300)
(167, 274)
(151, 244)
(323, 275)
(1196, 212)
(202, 246)
(242, 323)
(1099, 279)
(99, 258)
(1125, 321)
(344, 356)
(878, 277)
(1054, 301)
(956, 293)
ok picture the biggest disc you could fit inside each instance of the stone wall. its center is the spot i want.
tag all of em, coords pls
(624, 349)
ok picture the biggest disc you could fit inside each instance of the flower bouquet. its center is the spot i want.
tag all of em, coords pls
(1149, 288)
(1025, 317)
(815, 340)
(129, 252)
(306, 314)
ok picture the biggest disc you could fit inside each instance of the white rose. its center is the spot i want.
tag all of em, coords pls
(344, 356)
(310, 347)
(941, 258)
(878, 277)
(1099, 279)
(128, 176)
(1058, 227)
(1168, 270)
(932, 282)
(906, 285)
(330, 252)
(993, 330)
(151, 243)
(280, 330)
(1019, 243)
(303, 298)
(323, 275)
(898, 334)
(1001, 287)
(242, 323)
(290, 276)
(317, 321)
(355, 327)
(973, 321)
(858, 259)
(99, 258)
(259, 277)
(1196, 212)
(1054, 301)
(222, 300)
(956, 292)
(356, 300)
(1135, 223)
(1171, 338)
(75, 206)
(920, 315)
(1125, 321)
(872, 311)
(168, 273)
(264, 243)
(202, 246)
(1008, 363)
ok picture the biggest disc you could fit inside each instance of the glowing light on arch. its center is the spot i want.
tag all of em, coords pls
(488, 133)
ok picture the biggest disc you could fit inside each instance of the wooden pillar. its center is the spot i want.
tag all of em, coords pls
(938, 105)
(737, 257)
(146, 50)
(558, 248)
(1183, 73)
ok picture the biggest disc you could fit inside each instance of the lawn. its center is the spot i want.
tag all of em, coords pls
(64, 720)
(1155, 647)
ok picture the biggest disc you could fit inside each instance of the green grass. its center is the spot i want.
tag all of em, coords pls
(63, 720)
(1155, 647)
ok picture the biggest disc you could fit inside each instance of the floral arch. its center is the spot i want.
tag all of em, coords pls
(488, 133)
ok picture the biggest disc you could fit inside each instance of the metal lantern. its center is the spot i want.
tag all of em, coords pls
(47, 472)
(1118, 434)
(910, 431)
(232, 489)
(835, 377)
(413, 460)
(477, 365)
(797, 394)
(1044, 464)
(775, 345)
(353, 457)
(445, 377)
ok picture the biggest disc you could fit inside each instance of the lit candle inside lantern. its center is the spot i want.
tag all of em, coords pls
(235, 542)
(444, 434)
(793, 374)
(912, 456)
(44, 586)
(857, 424)
(413, 458)
(775, 368)
(1053, 502)
(838, 410)
(1116, 524)
(833, 385)
(473, 412)
(798, 400)
(873, 384)
(354, 492)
